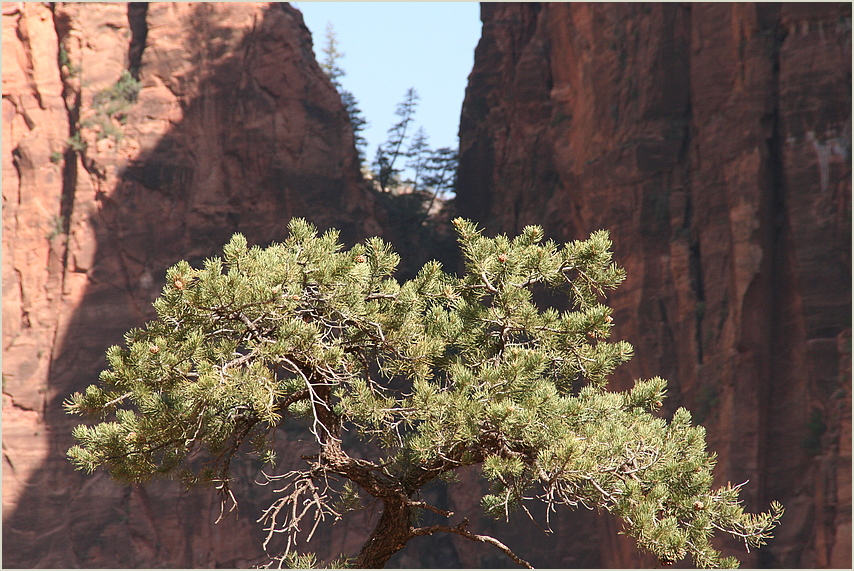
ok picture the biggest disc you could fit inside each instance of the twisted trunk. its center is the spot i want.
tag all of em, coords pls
(390, 536)
(394, 528)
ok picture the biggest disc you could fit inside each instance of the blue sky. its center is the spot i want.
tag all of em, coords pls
(389, 47)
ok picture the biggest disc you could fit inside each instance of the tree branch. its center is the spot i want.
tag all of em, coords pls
(118, 400)
(460, 529)
(292, 398)
(434, 509)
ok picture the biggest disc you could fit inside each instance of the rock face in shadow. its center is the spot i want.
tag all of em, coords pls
(234, 128)
(714, 142)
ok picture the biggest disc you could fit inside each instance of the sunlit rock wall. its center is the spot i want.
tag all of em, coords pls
(235, 128)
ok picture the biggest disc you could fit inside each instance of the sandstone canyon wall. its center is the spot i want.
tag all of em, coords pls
(714, 142)
(235, 128)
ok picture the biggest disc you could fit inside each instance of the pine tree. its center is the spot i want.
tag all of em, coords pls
(418, 153)
(440, 174)
(334, 72)
(331, 55)
(433, 171)
(438, 372)
(393, 149)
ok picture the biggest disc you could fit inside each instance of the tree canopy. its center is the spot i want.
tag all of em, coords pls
(438, 372)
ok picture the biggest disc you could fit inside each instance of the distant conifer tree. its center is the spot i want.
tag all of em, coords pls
(439, 372)
(334, 72)
(388, 153)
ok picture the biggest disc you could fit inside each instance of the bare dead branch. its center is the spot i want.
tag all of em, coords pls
(460, 529)
(118, 400)
(434, 509)
(228, 496)
(305, 498)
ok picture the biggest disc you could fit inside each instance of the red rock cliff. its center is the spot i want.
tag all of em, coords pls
(714, 142)
(235, 128)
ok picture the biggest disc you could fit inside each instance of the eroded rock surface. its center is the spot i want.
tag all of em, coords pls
(714, 142)
(234, 128)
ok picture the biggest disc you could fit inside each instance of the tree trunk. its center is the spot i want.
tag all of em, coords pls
(391, 534)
